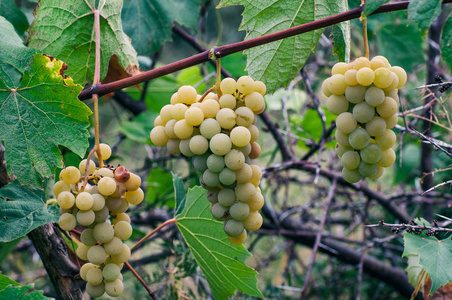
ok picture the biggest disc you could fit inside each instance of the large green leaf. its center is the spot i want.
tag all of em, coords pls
(279, 62)
(21, 293)
(424, 12)
(222, 263)
(21, 211)
(149, 22)
(39, 113)
(446, 42)
(180, 194)
(341, 41)
(13, 14)
(65, 30)
(371, 6)
(435, 256)
(5, 281)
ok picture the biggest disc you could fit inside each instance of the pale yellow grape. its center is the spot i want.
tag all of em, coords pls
(376, 63)
(366, 169)
(257, 174)
(240, 136)
(210, 108)
(178, 111)
(63, 211)
(238, 240)
(393, 94)
(337, 104)
(363, 112)
(361, 62)
(234, 160)
(187, 94)
(339, 68)
(245, 191)
(325, 89)
(378, 174)
(351, 176)
(384, 59)
(101, 215)
(174, 100)
(365, 76)
(71, 175)
(254, 131)
(103, 232)
(113, 203)
(401, 75)
(82, 251)
(388, 157)
(228, 86)
(391, 121)
(210, 96)
(245, 85)
(350, 77)
(133, 183)
(123, 207)
(182, 129)
(374, 96)
(386, 140)
(92, 189)
(226, 118)
(111, 272)
(387, 108)
(114, 288)
(253, 221)
(260, 87)
(244, 174)
(350, 160)
(337, 85)
(359, 138)
(245, 116)
(94, 276)
(67, 221)
(60, 187)
(84, 201)
(123, 230)
(85, 268)
(87, 237)
(342, 138)
(255, 150)
(123, 256)
(165, 113)
(257, 202)
(120, 217)
(227, 101)
(91, 168)
(209, 128)
(254, 101)
(346, 122)
(60, 176)
(158, 121)
(105, 151)
(114, 246)
(106, 186)
(86, 217)
(66, 199)
(355, 93)
(221, 144)
(158, 136)
(194, 116)
(97, 255)
(184, 147)
(246, 150)
(134, 197)
(104, 172)
(169, 129)
(95, 290)
(376, 126)
(394, 83)
(199, 144)
(383, 78)
(340, 150)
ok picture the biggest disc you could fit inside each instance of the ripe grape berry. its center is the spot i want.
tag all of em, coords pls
(102, 207)
(220, 136)
(363, 95)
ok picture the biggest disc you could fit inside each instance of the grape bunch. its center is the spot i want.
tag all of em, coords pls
(363, 95)
(220, 134)
(102, 209)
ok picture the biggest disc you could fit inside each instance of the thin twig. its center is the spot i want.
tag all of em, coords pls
(151, 293)
(411, 227)
(152, 232)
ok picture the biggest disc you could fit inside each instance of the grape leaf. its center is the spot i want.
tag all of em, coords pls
(180, 193)
(222, 263)
(39, 113)
(22, 210)
(435, 256)
(5, 281)
(446, 42)
(65, 30)
(414, 269)
(424, 12)
(371, 6)
(277, 63)
(21, 293)
(149, 22)
(138, 129)
(341, 41)
(14, 15)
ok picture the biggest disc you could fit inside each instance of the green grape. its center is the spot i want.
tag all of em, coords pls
(254, 131)
(210, 108)
(245, 116)
(209, 128)
(123, 256)
(238, 240)
(124, 205)
(391, 121)
(113, 247)
(254, 101)
(376, 126)
(355, 93)
(387, 158)
(336, 84)
(94, 276)
(70, 175)
(84, 201)
(219, 212)
(210, 178)
(65, 199)
(339, 68)
(86, 217)
(114, 288)
(342, 138)
(212, 195)
(227, 101)
(82, 251)
(215, 163)
(226, 118)
(234, 160)
(346, 122)
(350, 160)
(97, 255)
(187, 94)
(67, 221)
(220, 144)
(184, 147)
(87, 237)
(374, 96)
(244, 174)
(123, 230)
(194, 116)
(387, 108)
(134, 197)
(103, 232)
(101, 215)
(105, 151)
(240, 136)
(111, 272)
(182, 129)
(228, 86)
(98, 202)
(378, 174)
(199, 145)
(85, 268)
(169, 129)
(233, 227)
(60, 187)
(363, 112)
(178, 111)
(246, 150)
(239, 211)
(113, 203)
(350, 77)
(245, 191)
(245, 85)
(337, 104)
(359, 138)
(365, 76)
(200, 162)
(227, 176)
(386, 140)
(382, 78)
(366, 169)
(253, 221)
(106, 186)
(371, 154)
(260, 87)
(401, 75)
(226, 197)
(257, 202)
(361, 62)
(91, 168)
(95, 290)
(351, 176)
(173, 146)
(158, 136)
(340, 150)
